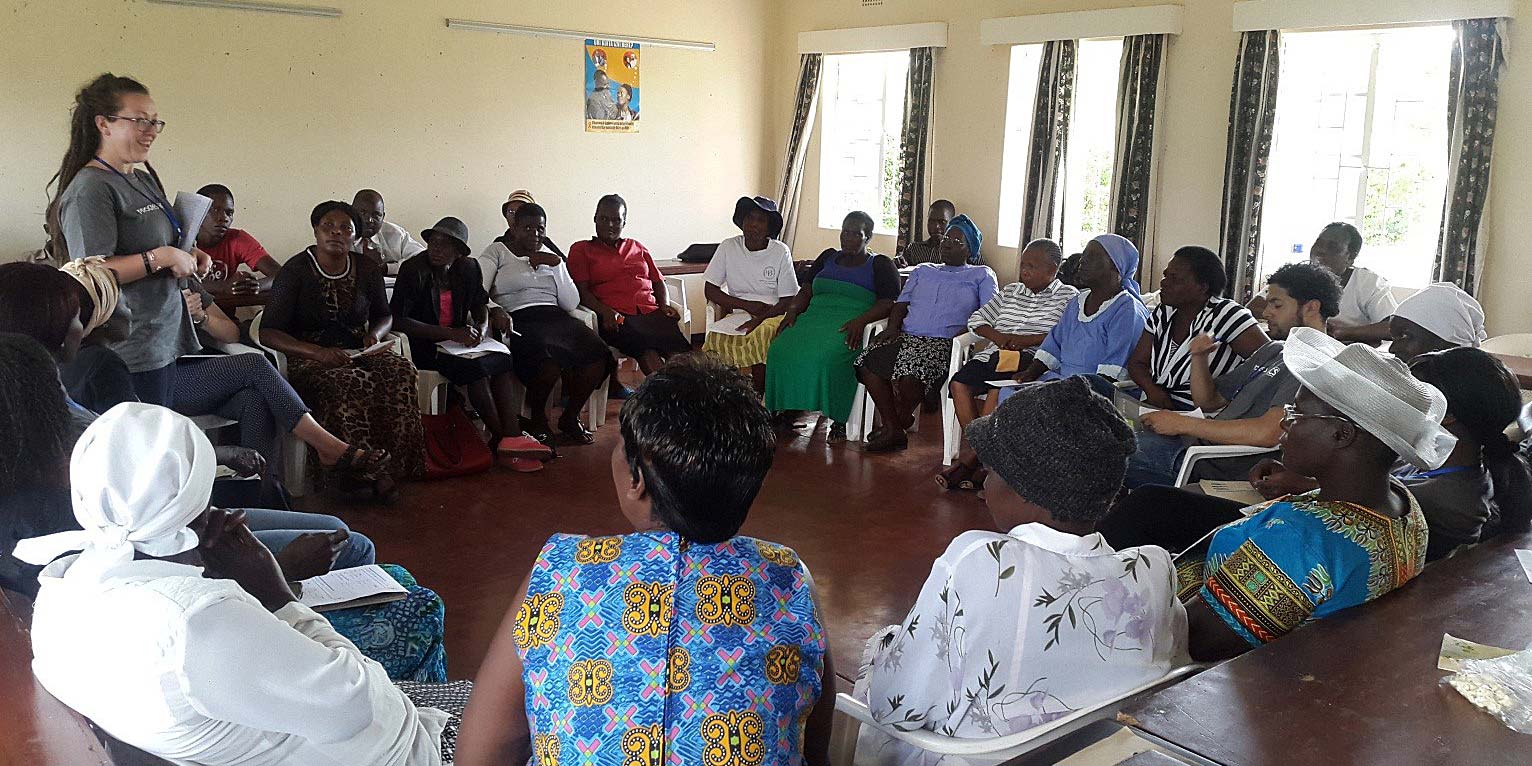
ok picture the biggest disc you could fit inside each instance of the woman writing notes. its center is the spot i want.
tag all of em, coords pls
(107, 207)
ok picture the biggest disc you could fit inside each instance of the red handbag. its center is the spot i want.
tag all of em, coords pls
(453, 445)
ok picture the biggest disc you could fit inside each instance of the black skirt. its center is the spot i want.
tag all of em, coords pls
(647, 332)
(548, 332)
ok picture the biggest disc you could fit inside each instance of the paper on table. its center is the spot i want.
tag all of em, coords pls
(486, 346)
(190, 209)
(376, 348)
(731, 324)
(1525, 557)
(1455, 650)
(347, 588)
(1238, 491)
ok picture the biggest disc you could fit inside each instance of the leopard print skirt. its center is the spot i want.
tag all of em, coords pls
(371, 404)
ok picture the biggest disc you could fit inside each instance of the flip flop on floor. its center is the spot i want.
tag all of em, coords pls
(358, 462)
(974, 481)
(953, 477)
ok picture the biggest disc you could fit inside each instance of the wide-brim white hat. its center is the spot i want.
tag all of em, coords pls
(1376, 391)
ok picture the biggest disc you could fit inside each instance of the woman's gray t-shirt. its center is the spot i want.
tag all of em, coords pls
(102, 213)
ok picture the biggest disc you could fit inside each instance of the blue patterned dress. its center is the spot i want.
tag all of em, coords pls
(643, 650)
(405, 637)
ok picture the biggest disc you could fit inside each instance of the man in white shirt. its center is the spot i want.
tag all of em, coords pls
(175, 631)
(1013, 630)
(380, 239)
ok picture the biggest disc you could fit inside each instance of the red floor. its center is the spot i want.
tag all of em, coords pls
(868, 527)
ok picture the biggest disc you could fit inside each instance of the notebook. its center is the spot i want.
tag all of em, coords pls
(350, 588)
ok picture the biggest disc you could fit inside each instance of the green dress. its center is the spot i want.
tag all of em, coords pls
(809, 366)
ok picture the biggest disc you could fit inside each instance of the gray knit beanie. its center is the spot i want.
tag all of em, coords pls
(1059, 445)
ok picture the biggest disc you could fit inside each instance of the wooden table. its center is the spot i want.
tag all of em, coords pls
(1519, 366)
(39, 730)
(1362, 687)
(674, 268)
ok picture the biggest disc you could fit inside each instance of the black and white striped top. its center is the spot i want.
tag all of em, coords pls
(1170, 363)
(1019, 311)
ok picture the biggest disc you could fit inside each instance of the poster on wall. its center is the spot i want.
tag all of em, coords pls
(611, 86)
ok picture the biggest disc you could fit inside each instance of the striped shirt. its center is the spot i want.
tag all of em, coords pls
(1170, 363)
(1017, 310)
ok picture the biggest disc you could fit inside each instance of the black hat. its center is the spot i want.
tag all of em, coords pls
(454, 228)
(1060, 445)
(766, 205)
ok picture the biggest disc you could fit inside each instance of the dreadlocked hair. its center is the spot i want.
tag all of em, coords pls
(34, 420)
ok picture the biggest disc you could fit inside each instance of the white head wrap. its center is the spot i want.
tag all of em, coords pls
(1376, 391)
(138, 476)
(1448, 312)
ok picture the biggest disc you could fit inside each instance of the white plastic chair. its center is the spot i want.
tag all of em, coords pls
(595, 414)
(861, 421)
(1515, 344)
(854, 715)
(963, 349)
(1190, 457)
(675, 295)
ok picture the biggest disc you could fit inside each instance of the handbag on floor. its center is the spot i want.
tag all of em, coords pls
(453, 445)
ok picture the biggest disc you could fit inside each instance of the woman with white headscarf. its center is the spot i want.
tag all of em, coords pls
(175, 631)
(1437, 318)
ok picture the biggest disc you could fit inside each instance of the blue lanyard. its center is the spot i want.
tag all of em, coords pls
(1414, 474)
(152, 196)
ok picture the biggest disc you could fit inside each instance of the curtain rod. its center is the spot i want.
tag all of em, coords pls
(516, 29)
(241, 5)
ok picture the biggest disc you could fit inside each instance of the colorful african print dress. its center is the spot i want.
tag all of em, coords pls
(1299, 559)
(643, 650)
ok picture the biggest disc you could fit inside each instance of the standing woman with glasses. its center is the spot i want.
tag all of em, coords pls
(106, 206)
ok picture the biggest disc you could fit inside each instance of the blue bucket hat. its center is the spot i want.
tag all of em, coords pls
(766, 205)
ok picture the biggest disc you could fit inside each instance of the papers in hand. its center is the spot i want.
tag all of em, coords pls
(733, 324)
(1239, 491)
(486, 346)
(350, 588)
(1003, 383)
(190, 209)
(376, 348)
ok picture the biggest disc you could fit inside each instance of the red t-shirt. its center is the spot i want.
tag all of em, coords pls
(444, 309)
(619, 276)
(237, 247)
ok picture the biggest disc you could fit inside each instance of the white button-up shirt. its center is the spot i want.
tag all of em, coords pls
(196, 671)
(1366, 299)
(514, 283)
(394, 243)
(1015, 630)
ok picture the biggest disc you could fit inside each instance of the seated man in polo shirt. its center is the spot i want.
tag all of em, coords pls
(231, 248)
(384, 241)
(1249, 398)
(618, 280)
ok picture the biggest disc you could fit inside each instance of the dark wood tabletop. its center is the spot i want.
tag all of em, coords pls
(1362, 687)
(674, 268)
(39, 730)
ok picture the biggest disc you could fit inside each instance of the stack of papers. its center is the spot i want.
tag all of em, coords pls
(731, 324)
(1239, 491)
(350, 588)
(190, 209)
(486, 346)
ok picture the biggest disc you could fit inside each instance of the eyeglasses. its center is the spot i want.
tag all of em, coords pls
(144, 124)
(1290, 413)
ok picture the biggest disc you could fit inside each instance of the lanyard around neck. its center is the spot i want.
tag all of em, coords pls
(152, 196)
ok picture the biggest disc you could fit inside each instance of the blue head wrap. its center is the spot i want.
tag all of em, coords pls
(971, 236)
(1125, 256)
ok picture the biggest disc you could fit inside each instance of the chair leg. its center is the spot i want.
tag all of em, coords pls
(843, 738)
(295, 466)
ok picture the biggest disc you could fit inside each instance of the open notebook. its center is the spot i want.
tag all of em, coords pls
(350, 588)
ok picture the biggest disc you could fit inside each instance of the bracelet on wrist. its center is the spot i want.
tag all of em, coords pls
(148, 257)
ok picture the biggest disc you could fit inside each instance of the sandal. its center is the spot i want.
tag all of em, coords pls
(356, 461)
(954, 477)
(975, 480)
(889, 441)
(837, 434)
(574, 431)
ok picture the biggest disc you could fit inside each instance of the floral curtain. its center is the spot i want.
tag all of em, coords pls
(798, 141)
(915, 144)
(1478, 57)
(1042, 215)
(1252, 114)
(1138, 87)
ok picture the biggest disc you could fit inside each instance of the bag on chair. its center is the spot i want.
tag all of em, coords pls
(453, 445)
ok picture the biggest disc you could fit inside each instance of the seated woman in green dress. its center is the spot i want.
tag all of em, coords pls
(809, 366)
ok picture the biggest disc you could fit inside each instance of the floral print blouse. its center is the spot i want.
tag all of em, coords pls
(1015, 630)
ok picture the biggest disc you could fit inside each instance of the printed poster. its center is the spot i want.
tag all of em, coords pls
(611, 86)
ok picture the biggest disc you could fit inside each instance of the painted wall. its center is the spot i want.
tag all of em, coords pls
(290, 111)
(969, 125)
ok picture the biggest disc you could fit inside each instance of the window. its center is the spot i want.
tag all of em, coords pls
(863, 103)
(1085, 193)
(1361, 137)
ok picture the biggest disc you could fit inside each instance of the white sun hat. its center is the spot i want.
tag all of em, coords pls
(1374, 390)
